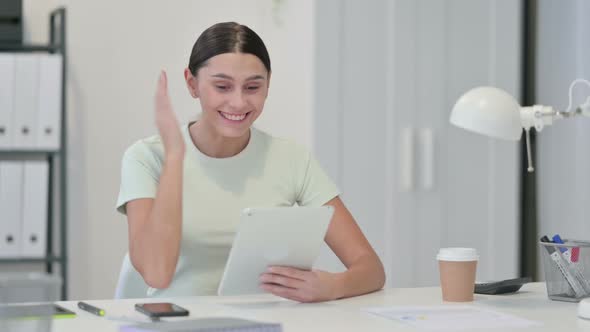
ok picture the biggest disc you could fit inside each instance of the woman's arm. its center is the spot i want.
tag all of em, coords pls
(364, 272)
(155, 224)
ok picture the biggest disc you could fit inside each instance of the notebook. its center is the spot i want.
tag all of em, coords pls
(217, 324)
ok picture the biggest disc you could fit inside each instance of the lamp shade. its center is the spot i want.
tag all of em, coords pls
(489, 111)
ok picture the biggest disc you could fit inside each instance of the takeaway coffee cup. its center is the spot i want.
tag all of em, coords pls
(457, 273)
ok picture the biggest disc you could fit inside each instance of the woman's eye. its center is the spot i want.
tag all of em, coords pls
(222, 87)
(252, 88)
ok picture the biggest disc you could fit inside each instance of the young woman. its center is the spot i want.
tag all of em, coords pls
(183, 190)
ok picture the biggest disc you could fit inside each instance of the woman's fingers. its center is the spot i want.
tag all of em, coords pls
(285, 292)
(166, 119)
(162, 99)
(287, 282)
(288, 271)
(164, 80)
(163, 83)
(277, 279)
(299, 285)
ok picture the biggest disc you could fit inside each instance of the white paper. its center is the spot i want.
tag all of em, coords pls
(444, 318)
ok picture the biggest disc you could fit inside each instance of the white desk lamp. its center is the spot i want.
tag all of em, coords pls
(495, 113)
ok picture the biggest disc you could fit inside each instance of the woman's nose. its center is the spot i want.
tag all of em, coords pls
(237, 100)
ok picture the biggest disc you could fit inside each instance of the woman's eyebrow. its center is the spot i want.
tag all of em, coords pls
(255, 77)
(224, 76)
(227, 77)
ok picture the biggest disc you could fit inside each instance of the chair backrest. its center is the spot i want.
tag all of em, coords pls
(131, 283)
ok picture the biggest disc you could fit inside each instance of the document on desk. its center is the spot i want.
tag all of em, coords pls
(445, 318)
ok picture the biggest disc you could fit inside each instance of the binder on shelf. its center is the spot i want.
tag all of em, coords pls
(6, 99)
(26, 100)
(11, 193)
(11, 26)
(34, 212)
(49, 115)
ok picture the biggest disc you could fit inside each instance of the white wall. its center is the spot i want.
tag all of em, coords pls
(115, 51)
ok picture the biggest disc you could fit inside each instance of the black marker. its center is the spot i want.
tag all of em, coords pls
(91, 309)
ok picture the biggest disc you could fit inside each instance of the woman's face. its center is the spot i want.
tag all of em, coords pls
(232, 88)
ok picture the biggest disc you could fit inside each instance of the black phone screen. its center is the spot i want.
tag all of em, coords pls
(162, 309)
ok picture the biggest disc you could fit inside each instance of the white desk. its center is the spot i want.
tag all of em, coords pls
(343, 315)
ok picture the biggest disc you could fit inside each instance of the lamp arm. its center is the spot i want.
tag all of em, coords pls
(586, 104)
(582, 109)
(539, 116)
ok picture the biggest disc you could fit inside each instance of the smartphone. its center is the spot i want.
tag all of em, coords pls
(161, 309)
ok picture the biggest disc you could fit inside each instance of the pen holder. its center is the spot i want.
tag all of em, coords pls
(567, 269)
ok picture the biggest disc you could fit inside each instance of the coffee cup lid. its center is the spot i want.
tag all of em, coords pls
(457, 254)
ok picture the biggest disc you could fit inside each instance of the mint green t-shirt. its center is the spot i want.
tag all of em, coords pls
(269, 172)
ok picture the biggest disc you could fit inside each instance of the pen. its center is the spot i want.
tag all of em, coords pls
(91, 309)
(557, 239)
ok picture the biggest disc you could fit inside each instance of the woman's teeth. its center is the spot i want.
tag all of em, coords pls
(234, 117)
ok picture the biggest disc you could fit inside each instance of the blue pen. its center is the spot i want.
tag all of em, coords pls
(557, 239)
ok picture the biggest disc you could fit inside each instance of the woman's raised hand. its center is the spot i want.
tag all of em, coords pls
(166, 120)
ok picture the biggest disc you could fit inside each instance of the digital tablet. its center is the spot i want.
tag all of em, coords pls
(34, 311)
(286, 236)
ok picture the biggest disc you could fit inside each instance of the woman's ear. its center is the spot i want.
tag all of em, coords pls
(191, 83)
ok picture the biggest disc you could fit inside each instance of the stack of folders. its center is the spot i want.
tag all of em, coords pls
(23, 208)
(30, 101)
(217, 324)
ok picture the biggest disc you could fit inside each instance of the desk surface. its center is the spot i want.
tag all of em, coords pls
(343, 315)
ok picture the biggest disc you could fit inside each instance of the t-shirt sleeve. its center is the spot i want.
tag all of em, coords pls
(139, 176)
(315, 188)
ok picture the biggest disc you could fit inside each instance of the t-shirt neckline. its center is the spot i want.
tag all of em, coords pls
(194, 150)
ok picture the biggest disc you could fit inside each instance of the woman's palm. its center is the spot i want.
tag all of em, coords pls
(166, 121)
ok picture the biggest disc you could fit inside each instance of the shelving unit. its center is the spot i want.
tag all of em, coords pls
(57, 159)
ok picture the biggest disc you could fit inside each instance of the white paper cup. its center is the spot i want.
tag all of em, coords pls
(457, 268)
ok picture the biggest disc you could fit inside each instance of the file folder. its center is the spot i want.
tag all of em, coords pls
(49, 115)
(6, 99)
(34, 212)
(11, 193)
(26, 100)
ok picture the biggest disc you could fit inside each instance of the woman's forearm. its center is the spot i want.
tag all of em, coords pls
(363, 276)
(156, 247)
